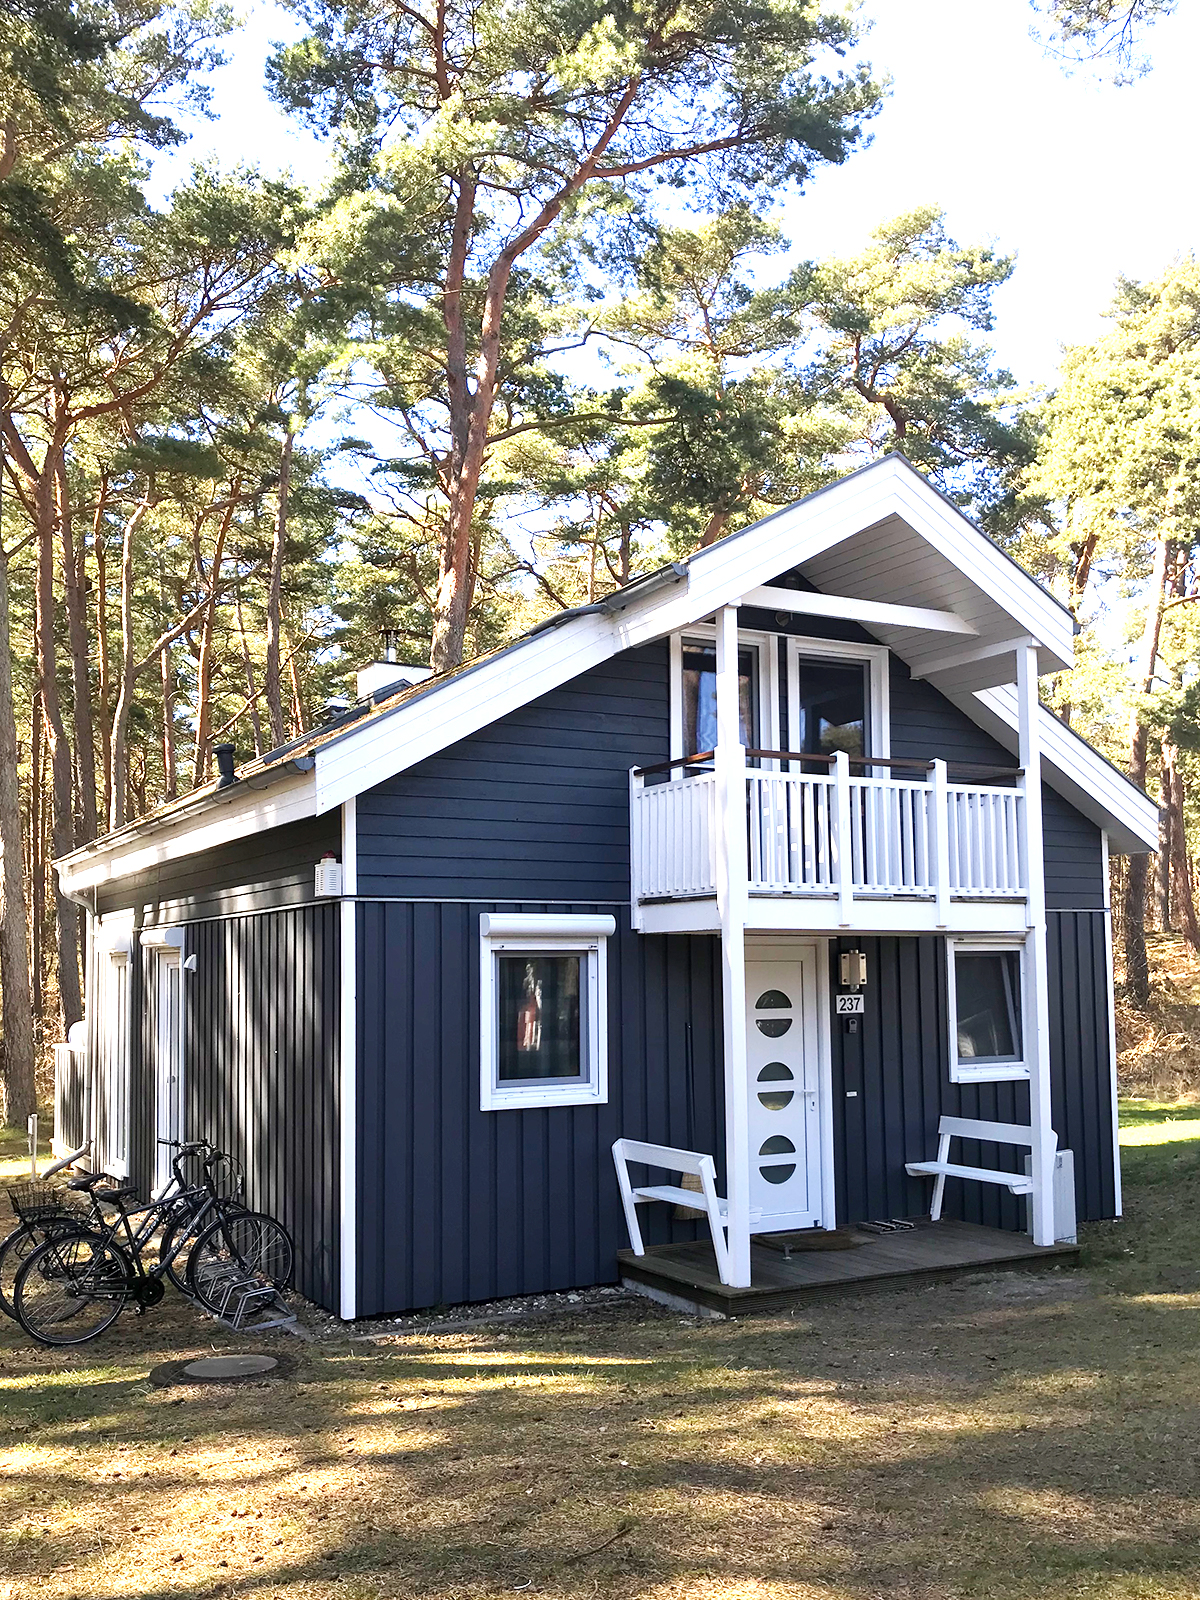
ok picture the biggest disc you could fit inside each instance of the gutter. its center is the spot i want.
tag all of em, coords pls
(206, 800)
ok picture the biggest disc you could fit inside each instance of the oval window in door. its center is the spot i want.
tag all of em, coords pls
(773, 1027)
(776, 1099)
(773, 1000)
(776, 1171)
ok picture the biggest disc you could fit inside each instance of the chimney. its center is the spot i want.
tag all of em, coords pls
(387, 673)
(224, 755)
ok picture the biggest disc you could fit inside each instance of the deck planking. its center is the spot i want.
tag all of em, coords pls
(688, 1271)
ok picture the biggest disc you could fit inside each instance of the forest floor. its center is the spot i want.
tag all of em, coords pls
(992, 1436)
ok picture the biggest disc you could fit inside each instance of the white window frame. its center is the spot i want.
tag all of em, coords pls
(973, 1070)
(875, 657)
(547, 935)
(163, 941)
(766, 647)
(115, 1084)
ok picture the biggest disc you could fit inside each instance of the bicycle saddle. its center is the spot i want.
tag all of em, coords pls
(118, 1192)
(85, 1180)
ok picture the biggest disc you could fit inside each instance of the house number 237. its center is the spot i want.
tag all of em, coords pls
(849, 1005)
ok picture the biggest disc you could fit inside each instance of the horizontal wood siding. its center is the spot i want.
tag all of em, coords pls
(891, 1082)
(263, 872)
(536, 806)
(261, 1070)
(460, 1204)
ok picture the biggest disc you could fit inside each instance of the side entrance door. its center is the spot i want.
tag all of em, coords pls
(168, 1070)
(785, 1112)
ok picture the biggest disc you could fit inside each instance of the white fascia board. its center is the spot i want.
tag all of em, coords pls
(1072, 768)
(801, 603)
(967, 547)
(721, 575)
(246, 811)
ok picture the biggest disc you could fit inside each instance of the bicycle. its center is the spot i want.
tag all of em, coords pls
(76, 1283)
(44, 1209)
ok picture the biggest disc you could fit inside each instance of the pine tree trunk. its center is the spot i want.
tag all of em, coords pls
(103, 685)
(1166, 829)
(167, 679)
(37, 860)
(73, 594)
(272, 689)
(1137, 965)
(119, 760)
(248, 665)
(20, 1099)
(1183, 889)
(202, 753)
(62, 821)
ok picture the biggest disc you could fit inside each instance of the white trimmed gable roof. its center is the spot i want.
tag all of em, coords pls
(882, 537)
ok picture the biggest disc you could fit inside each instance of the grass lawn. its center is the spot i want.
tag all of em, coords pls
(1016, 1435)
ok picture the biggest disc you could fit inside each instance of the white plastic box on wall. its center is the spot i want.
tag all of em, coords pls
(329, 876)
(1065, 1227)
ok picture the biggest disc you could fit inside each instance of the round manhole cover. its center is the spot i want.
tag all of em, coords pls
(219, 1367)
(244, 1368)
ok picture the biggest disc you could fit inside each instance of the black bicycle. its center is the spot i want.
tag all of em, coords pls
(77, 1282)
(45, 1210)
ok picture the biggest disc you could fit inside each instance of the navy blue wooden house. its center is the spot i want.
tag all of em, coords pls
(772, 857)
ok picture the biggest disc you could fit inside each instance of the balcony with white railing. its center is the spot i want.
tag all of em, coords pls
(837, 840)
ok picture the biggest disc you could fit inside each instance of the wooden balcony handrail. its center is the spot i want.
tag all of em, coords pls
(971, 769)
(669, 766)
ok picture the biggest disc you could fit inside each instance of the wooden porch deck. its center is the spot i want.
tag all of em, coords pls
(688, 1272)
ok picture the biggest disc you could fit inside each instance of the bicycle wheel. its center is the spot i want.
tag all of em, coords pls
(14, 1252)
(178, 1238)
(72, 1287)
(237, 1248)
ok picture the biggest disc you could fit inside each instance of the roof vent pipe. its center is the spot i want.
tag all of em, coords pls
(224, 755)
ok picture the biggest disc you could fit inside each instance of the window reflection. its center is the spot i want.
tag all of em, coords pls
(832, 711)
(539, 1017)
(700, 698)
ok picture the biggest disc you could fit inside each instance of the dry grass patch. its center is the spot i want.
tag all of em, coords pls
(996, 1436)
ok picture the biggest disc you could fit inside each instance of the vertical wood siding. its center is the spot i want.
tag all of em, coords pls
(261, 1070)
(898, 1068)
(461, 1204)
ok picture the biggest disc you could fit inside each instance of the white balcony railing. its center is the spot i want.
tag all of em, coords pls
(833, 834)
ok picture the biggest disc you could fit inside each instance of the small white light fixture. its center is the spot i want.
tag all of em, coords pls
(329, 875)
(189, 964)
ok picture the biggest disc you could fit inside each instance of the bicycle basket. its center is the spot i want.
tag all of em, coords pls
(36, 1201)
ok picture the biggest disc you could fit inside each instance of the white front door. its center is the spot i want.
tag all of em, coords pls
(785, 1113)
(168, 1074)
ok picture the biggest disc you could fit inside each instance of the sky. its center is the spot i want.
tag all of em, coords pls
(1084, 180)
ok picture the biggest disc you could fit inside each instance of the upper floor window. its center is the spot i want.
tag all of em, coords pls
(694, 691)
(699, 701)
(837, 698)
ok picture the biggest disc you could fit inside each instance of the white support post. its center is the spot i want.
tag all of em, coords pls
(941, 842)
(1112, 1023)
(729, 767)
(1036, 1008)
(348, 1046)
(843, 842)
(637, 845)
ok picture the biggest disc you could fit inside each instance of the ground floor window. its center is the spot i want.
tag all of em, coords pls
(986, 1027)
(543, 1005)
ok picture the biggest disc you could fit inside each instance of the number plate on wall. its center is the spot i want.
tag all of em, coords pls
(849, 1005)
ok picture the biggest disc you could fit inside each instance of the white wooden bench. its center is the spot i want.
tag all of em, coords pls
(968, 1128)
(669, 1159)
